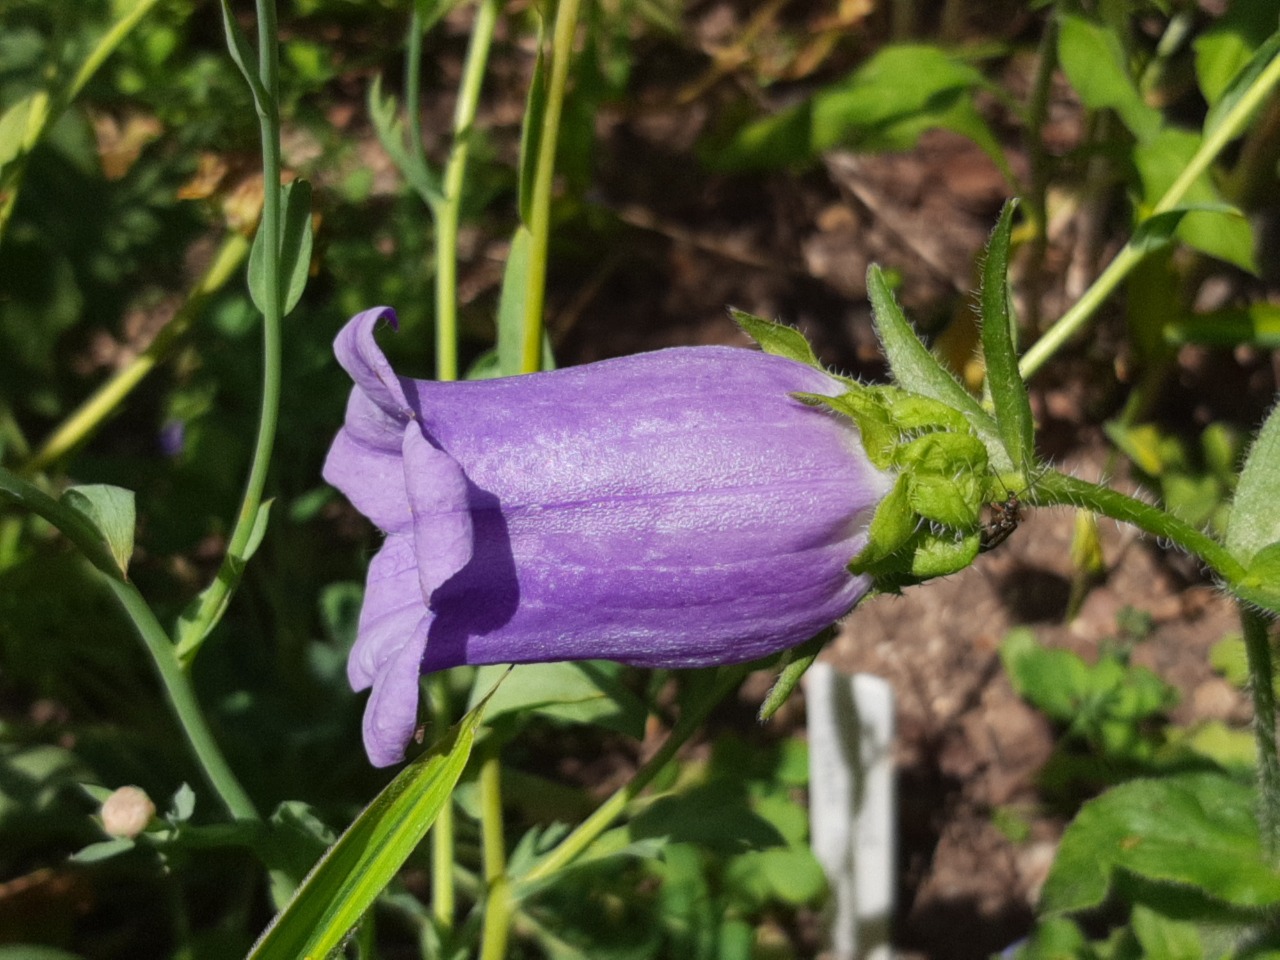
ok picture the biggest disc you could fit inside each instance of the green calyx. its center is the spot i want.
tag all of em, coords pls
(929, 524)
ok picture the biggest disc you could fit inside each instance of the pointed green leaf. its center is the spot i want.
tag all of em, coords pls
(511, 311)
(408, 158)
(1008, 392)
(295, 249)
(1254, 521)
(584, 691)
(242, 55)
(351, 874)
(867, 409)
(795, 663)
(917, 370)
(776, 338)
(13, 129)
(1241, 83)
(1261, 584)
(1095, 62)
(111, 510)
(535, 110)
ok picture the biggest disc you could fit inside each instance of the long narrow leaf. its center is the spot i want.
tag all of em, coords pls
(1008, 392)
(348, 878)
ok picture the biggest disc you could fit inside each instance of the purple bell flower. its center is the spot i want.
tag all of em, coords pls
(670, 509)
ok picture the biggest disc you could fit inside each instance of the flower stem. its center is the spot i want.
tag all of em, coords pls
(1231, 126)
(1257, 645)
(1057, 489)
(447, 211)
(193, 632)
(609, 811)
(497, 904)
(540, 205)
(176, 683)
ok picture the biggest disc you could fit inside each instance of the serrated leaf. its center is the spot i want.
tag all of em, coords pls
(917, 370)
(1195, 829)
(1254, 521)
(112, 512)
(351, 874)
(294, 257)
(1008, 392)
(776, 338)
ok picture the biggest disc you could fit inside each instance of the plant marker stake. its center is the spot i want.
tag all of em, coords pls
(853, 822)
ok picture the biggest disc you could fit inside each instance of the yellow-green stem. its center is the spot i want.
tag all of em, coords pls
(1231, 126)
(544, 177)
(443, 901)
(448, 209)
(497, 904)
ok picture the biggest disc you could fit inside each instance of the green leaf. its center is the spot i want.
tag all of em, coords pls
(511, 303)
(917, 370)
(886, 104)
(1095, 62)
(13, 128)
(1163, 937)
(535, 110)
(587, 691)
(1261, 584)
(103, 850)
(1157, 230)
(351, 874)
(1257, 324)
(1226, 46)
(1194, 829)
(795, 663)
(295, 249)
(1240, 84)
(1254, 521)
(112, 512)
(243, 57)
(776, 338)
(1208, 224)
(868, 410)
(999, 328)
(408, 158)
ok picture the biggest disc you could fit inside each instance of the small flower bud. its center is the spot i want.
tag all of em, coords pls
(127, 812)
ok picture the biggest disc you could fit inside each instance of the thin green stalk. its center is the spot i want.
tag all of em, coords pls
(89, 415)
(497, 903)
(1057, 489)
(1231, 126)
(448, 210)
(540, 204)
(609, 811)
(1257, 646)
(214, 599)
(177, 685)
(1038, 161)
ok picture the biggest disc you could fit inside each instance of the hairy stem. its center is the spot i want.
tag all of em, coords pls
(1257, 646)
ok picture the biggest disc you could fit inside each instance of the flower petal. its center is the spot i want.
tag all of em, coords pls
(360, 355)
(439, 499)
(392, 611)
(391, 715)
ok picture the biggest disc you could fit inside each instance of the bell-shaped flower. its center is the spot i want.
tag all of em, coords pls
(671, 509)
